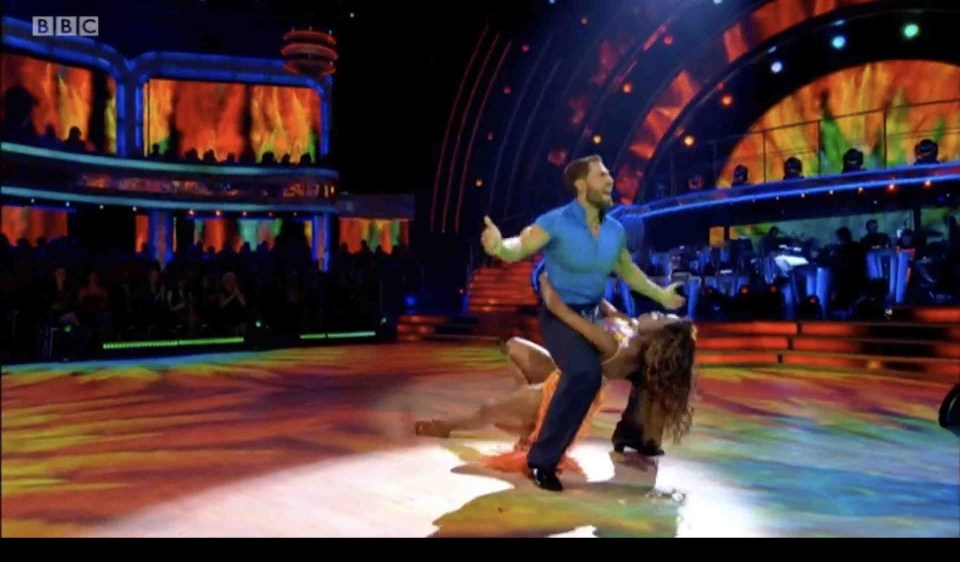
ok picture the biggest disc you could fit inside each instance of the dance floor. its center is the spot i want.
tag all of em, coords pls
(319, 442)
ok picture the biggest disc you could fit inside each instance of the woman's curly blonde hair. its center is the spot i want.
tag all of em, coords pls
(668, 367)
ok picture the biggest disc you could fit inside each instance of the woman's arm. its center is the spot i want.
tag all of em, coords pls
(604, 341)
(612, 311)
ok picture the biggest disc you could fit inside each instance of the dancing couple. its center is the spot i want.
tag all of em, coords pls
(586, 339)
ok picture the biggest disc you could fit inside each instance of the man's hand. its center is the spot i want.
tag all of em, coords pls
(491, 238)
(638, 281)
(550, 297)
(672, 299)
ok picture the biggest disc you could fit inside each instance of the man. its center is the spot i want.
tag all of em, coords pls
(874, 238)
(581, 249)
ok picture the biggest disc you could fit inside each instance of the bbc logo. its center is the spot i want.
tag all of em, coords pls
(48, 26)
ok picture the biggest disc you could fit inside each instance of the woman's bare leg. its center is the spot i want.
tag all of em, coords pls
(528, 362)
(518, 411)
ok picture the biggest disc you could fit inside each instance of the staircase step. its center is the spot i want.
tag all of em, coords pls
(884, 330)
(708, 329)
(463, 338)
(484, 309)
(455, 329)
(945, 368)
(759, 343)
(942, 369)
(410, 337)
(878, 347)
(929, 314)
(423, 320)
(421, 329)
(515, 301)
(873, 347)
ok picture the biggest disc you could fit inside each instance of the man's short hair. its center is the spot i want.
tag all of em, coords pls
(577, 170)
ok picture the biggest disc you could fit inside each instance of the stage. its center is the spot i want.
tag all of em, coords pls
(319, 442)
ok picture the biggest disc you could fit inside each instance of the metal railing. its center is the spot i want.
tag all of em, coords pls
(886, 137)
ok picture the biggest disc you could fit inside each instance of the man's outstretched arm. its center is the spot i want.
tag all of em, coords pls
(639, 282)
(530, 241)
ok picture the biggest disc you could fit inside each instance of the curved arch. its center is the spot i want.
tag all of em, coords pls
(449, 128)
(473, 133)
(513, 117)
(581, 103)
(631, 61)
(865, 91)
(765, 23)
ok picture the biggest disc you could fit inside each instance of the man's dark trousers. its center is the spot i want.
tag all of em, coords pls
(580, 380)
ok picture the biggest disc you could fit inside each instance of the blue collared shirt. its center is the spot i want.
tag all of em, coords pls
(579, 264)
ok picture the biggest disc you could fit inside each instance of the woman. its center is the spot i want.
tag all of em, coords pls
(654, 351)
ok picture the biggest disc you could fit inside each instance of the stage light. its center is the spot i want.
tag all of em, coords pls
(776, 67)
(689, 140)
(891, 187)
(134, 209)
(352, 15)
(597, 139)
(479, 182)
(218, 213)
(33, 201)
(859, 190)
(928, 183)
(627, 88)
(718, 2)
(490, 136)
(831, 192)
(911, 30)
(668, 40)
(803, 196)
(727, 100)
(190, 212)
(584, 20)
(101, 207)
(244, 213)
(507, 90)
(839, 42)
(68, 203)
(525, 48)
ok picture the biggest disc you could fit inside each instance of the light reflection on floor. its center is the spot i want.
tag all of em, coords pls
(318, 443)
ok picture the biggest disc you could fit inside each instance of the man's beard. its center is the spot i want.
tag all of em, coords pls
(599, 201)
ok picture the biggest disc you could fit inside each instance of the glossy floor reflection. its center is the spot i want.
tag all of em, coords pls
(318, 442)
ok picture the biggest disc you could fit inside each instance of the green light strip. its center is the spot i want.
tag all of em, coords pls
(351, 335)
(224, 341)
(212, 341)
(337, 335)
(170, 343)
(313, 336)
